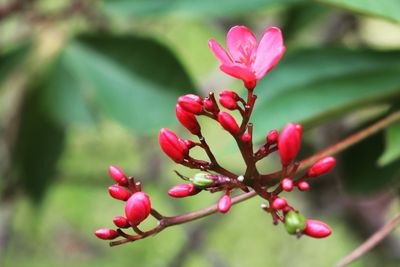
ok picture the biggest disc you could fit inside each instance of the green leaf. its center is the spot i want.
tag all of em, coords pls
(312, 86)
(39, 146)
(388, 9)
(392, 145)
(9, 60)
(361, 172)
(189, 7)
(133, 80)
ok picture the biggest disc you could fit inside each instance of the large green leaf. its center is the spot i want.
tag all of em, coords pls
(189, 7)
(311, 86)
(361, 172)
(389, 9)
(133, 80)
(39, 146)
(392, 145)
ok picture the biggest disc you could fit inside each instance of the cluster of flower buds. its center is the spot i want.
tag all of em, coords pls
(248, 60)
(137, 204)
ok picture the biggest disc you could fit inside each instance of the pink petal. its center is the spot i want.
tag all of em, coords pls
(242, 44)
(219, 52)
(269, 52)
(239, 71)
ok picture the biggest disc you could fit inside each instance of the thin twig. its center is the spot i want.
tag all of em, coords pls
(371, 242)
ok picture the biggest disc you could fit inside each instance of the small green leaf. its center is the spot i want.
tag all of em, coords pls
(388, 9)
(39, 146)
(392, 145)
(311, 86)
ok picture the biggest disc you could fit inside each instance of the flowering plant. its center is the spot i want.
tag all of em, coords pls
(249, 61)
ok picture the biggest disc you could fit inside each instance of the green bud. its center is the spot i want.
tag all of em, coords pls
(294, 222)
(201, 180)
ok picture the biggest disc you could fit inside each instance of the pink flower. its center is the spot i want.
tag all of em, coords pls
(248, 60)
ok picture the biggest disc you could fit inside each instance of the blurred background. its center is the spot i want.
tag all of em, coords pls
(86, 84)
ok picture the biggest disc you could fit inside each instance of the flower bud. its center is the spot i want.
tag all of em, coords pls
(202, 180)
(279, 203)
(189, 143)
(187, 119)
(321, 167)
(272, 137)
(137, 208)
(118, 175)
(224, 203)
(183, 190)
(118, 192)
(303, 186)
(287, 184)
(106, 234)
(209, 105)
(172, 145)
(191, 103)
(246, 137)
(317, 229)
(289, 143)
(228, 99)
(228, 123)
(294, 222)
(121, 222)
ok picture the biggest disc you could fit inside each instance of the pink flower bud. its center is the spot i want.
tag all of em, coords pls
(137, 208)
(118, 192)
(228, 99)
(209, 105)
(317, 229)
(279, 203)
(303, 186)
(246, 137)
(187, 119)
(228, 123)
(321, 167)
(175, 148)
(224, 203)
(191, 103)
(289, 143)
(106, 234)
(121, 222)
(272, 137)
(183, 190)
(118, 175)
(189, 143)
(287, 184)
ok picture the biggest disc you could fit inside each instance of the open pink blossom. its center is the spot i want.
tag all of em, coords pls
(248, 60)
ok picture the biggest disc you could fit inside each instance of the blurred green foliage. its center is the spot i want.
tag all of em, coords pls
(85, 84)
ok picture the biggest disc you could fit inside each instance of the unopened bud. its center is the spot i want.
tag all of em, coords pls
(118, 175)
(175, 148)
(187, 119)
(321, 167)
(272, 137)
(224, 203)
(287, 184)
(183, 190)
(202, 180)
(191, 103)
(228, 99)
(303, 186)
(209, 105)
(289, 143)
(121, 222)
(137, 208)
(279, 203)
(294, 222)
(106, 234)
(118, 192)
(246, 138)
(228, 123)
(317, 229)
